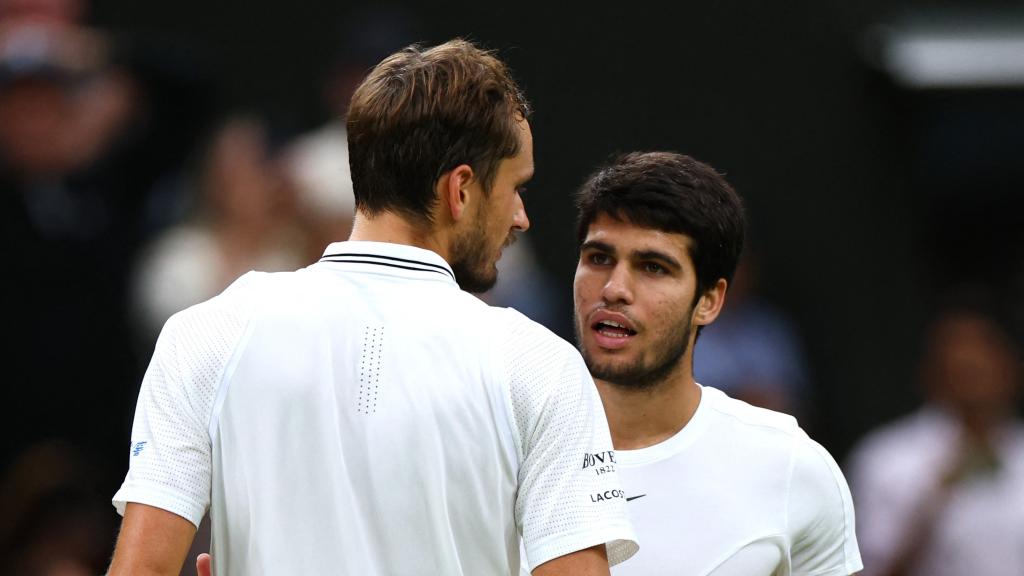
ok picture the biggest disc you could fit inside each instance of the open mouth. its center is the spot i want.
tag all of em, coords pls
(611, 329)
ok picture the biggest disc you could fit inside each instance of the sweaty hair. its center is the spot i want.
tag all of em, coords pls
(423, 112)
(672, 193)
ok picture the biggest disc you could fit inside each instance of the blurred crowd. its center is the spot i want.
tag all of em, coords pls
(129, 194)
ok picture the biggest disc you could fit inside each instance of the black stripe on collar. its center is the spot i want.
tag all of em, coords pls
(352, 257)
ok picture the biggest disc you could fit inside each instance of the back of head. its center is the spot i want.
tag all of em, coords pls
(421, 113)
(672, 193)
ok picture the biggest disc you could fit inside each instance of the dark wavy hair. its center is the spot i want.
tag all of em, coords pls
(673, 193)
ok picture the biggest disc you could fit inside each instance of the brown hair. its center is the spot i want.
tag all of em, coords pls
(421, 113)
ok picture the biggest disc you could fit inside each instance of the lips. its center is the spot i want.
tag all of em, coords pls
(612, 330)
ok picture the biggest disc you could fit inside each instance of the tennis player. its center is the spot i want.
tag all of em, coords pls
(364, 415)
(714, 485)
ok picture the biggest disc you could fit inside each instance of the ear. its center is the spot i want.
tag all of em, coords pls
(453, 190)
(710, 303)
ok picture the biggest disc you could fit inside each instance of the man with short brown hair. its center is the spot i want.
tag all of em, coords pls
(364, 415)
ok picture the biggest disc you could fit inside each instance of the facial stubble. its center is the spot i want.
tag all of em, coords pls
(641, 374)
(474, 264)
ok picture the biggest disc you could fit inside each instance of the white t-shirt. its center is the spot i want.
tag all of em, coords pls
(738, 491)
(980, 530)
(365, 416)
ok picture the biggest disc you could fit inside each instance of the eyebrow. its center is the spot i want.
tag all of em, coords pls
(635, 255)
(655, 255)
(596, 245)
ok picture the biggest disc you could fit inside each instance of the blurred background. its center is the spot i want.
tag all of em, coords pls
(152, 152)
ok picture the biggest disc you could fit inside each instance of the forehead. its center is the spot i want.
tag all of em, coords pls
(624, 237)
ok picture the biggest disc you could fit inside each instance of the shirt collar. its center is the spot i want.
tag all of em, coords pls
(680, 441)
(400, 259)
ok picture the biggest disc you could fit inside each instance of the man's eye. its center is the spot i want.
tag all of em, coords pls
(599, 259)
(654, 268)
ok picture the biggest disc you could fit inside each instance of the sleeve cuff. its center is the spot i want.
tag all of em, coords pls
(619, 540)
(168, 500)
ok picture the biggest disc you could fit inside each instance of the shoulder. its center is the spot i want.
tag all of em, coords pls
(777, 435)
(219, 319)
(527, 341)
(753, 418)
(542, 371)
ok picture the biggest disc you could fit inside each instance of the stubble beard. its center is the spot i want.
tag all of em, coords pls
(473, 261)
(641, 374)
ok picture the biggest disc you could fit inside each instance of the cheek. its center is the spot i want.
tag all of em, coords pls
(668, 310)
(582, 287)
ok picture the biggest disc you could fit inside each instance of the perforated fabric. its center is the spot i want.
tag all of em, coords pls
(371, 418)
(569, 491)
(169, 457)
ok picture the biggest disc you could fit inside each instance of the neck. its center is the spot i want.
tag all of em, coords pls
(395, 229)
(642, 418)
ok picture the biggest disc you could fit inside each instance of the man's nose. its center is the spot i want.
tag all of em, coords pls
(619, 286)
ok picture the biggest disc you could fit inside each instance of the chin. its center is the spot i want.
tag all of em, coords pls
(477, 284)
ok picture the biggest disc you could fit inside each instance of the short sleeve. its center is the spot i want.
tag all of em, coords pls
(821, 517)
(170, 452)
(569, 494)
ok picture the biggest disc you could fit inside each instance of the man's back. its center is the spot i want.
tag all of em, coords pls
(372, 408)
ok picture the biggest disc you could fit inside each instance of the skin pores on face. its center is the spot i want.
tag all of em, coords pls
(634, 300)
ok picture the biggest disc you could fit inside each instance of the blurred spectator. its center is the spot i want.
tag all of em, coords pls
(941, 492)
(82, 142)
(246, 221)
(317, 165)
(53, 521)
(753, 352)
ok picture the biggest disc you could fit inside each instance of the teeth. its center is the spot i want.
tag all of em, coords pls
(612, 324)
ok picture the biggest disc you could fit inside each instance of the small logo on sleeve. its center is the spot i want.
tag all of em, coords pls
(137, 448)
(601, 462)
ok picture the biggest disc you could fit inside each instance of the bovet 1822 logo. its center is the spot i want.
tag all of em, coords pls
(601, 462)
(606, 495)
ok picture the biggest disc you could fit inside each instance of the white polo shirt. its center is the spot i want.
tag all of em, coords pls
(739, 491)
(365, 416)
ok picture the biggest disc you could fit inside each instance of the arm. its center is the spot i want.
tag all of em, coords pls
(153, 542)
(821, 519)
(569, 507)
(168, 486)
(589, 562)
